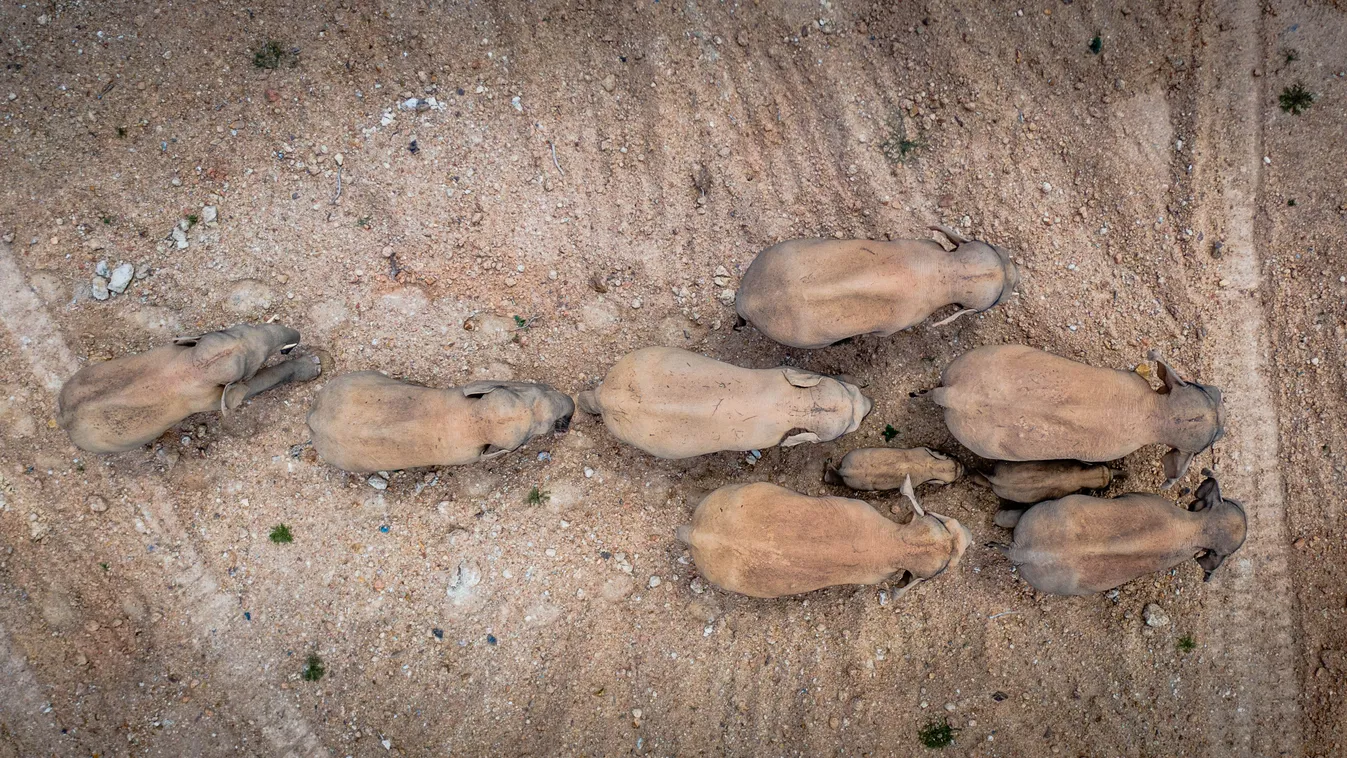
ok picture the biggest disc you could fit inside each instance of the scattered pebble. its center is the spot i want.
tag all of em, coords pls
(377, 482)
(179, 236)
(97, 503)
(727, 297)
(121, 278)
(636, 303)
(1155, 615)
(654, 582)
(721, 277)
(209, 214)
(100, 288)
(589, 472)
(102, 269)
(517, 105)
(609, 83)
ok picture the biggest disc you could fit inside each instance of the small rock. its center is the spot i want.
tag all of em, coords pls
(654, 582)
(179, 236)
(727, 297)
(636, 303)
(340, 159)
(100, 288)
(209, 214)
(377, 482)
(102, 269)
(97, 503)
(741, 38)
(514, 101)
(589, 472)
(1155, 615)
(609, 83)
(721, 277)
(121, 278)
(1047, 187)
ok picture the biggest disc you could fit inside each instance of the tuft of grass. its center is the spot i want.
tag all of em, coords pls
(1096, 44)
(107, 220)
(898, 148)
(1292, 54)
(105, 566)
(313, 668)
(280, 534)
(272, 55)
(193, 220)
(121, 132)
(364, 222)
(937, 734)
(1296, 99)
(1291, 202)
(537, 496)
(1186, 644)
(889, 432)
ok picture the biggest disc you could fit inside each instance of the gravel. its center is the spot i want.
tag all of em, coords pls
(1155, 616)
(121, 278)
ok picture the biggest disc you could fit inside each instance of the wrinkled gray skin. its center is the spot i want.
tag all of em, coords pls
(1079, 545)
(885, 468)
(121, 404)
(1036, 481)
(1015, 403)
(673, 403)
(812, 293)
(367, 421)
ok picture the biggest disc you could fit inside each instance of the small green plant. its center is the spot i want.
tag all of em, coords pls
(537, 496)
(1186, 644)
(105, 566)
(313, 668)
(1296, 99)
(520, 322)
(1096, 44)
(280, 534)
(192, 220)
(897, 148)
(889, 432)
(121, 132)
(937, 734)
(107, 220)
(272, 54)
(363, 222)
(1291, 203)
(1292, 54)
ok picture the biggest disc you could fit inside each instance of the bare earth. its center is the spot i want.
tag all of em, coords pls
(1155, 194)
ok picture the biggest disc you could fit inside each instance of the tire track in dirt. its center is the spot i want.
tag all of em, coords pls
(1252, 706)
(51, 361)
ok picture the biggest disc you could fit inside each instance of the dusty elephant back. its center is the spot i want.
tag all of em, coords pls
(367, 421)
(673, 403)
(1015, 403)
(1079, 544)
(118, 405)
(767, 541)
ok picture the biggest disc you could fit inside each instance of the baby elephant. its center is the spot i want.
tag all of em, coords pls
(121, 404)
(1015, 403)
(1079, 544)
(1036, 481)
(675, 404)
(767, 541)
(367, 421)
(812, 293)
(886, 468)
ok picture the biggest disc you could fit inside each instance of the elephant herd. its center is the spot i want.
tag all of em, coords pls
(1047, 424)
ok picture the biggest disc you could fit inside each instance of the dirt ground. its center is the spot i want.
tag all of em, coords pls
(1150, 185)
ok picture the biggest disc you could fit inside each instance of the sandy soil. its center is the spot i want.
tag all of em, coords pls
(634, 148)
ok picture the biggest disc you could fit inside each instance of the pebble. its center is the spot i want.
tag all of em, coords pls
(97, 503)
(121, 278)
(727, 297)
(654, 582)
(378, 482)
(340, 159)
(589, 472)
(179, 236)
(721, 277)
(101, 269)
(1047, 187)
(1155, 615)
(636, 303)
(517, 105)
(100, 288)
(609, 83)
(209, 214)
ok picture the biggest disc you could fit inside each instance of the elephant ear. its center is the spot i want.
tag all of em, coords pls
(491, 451)
(233, 396)
(1169, 376)
(483, 387)
(802, 379)
(800, 439)
(1176, 463)
(186, 341)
